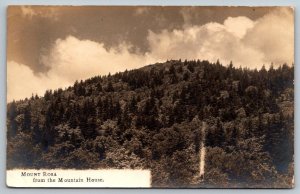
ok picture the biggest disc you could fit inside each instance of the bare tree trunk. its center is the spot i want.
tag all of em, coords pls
(202, 151)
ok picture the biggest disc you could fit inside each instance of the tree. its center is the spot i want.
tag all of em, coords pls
(109, 87)
(11, 116)
(27, 119)
(190, 67)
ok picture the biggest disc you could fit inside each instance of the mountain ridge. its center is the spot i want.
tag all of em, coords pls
(150, 118)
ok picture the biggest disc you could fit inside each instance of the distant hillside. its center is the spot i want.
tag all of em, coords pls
(152, 118)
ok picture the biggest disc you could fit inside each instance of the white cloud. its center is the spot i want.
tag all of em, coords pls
(69, 60)
(73, 59)
(211, 41)
(22, 82)
(245, 42)
(273, 35)
(238, 25)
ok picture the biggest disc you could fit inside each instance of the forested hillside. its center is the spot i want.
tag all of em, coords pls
(152, 118)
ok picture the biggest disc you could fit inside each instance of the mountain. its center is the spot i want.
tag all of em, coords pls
(153, 118)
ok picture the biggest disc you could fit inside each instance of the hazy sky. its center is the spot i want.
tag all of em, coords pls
(51, 47)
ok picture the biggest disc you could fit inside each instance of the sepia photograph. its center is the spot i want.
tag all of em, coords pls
(150, 96)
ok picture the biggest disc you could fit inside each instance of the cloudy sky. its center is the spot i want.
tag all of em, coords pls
(51, 47)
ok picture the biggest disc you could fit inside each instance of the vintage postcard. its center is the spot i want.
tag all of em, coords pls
(150, 97)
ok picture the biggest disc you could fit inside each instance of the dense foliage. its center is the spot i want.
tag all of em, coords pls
(151, 118)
